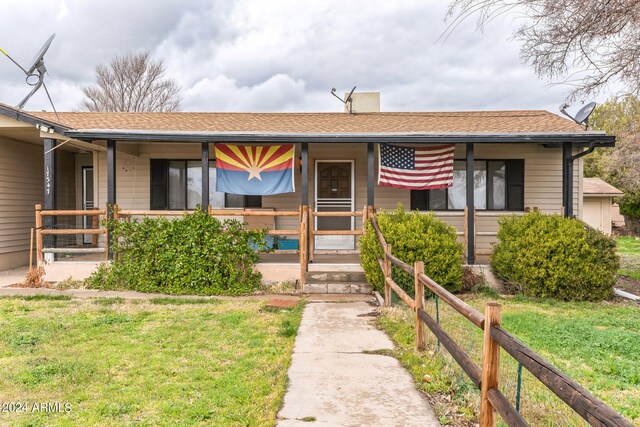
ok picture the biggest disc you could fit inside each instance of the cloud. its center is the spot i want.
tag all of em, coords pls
(280, 55)
(277, 93)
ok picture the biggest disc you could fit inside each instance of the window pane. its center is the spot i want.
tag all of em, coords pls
(480, 184)
(419, 200)
(457, 193)
(496, 188)
(177, 183)
(216, 199)
(235, 201)
(438, 199)
(194, 184)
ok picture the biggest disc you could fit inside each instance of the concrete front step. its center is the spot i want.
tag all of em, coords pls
(334, 267)
(337, 288)
(335, 276)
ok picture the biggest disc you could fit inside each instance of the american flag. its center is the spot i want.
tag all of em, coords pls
(416, 168)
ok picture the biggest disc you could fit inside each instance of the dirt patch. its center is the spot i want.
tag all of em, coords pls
(628, 284)
(281, 303)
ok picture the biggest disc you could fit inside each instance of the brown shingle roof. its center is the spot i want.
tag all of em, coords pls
(445, 122)
(598, 186)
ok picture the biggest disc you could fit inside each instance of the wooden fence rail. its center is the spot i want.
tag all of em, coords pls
(590, 408)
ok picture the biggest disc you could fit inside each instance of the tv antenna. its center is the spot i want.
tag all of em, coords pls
(348, 101)
(35, 74)
(582, 116)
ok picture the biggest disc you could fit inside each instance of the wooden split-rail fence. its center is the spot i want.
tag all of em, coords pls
(493, 401)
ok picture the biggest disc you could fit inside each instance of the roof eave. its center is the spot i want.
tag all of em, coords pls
(21, 116)
(583, 138)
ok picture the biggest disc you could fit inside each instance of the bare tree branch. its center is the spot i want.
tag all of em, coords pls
(132, 82)
(599, 37)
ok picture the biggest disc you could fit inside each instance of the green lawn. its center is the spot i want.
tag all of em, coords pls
(629, 251)
(158, 362)
(597, 344)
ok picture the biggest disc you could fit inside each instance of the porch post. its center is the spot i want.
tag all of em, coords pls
(370, 175)
(205, 175)
(471, 233)
(49, 189)
(567, 179)
(111, 186)
(305, 174)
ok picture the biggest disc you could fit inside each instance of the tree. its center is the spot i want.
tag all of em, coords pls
(132, 82)
(621, 165)
(588, 44)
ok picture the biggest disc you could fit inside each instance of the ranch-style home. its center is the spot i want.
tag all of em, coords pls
(505, 162)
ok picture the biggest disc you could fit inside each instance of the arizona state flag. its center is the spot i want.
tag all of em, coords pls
(254, 170)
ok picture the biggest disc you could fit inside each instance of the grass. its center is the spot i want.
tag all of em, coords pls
(158, 362)
(597, 344)
(629, 251)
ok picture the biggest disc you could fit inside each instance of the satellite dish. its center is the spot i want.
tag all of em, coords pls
(347, 100)
(35, 73)
(40, 55)
(581, 116)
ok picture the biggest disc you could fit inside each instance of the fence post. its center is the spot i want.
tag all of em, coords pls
(302, 244)
(116, 216)
(95, 224)
(39, 256)
(490, 364)
(418, 268)
(387, 274)
(364, 219)
(370, 211)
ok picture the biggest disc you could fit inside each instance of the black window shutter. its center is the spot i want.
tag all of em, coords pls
(419, 200)
(515, 185)
(159, 184)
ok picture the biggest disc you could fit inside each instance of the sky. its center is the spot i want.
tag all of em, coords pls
(277, 55)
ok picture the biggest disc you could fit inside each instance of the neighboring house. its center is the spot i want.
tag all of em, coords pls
(147, 161)
(597, 203)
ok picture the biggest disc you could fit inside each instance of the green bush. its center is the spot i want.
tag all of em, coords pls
(630, 205)
(551, 256)
(413, 236)
(193, 254)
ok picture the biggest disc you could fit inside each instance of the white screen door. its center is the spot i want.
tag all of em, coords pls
(87, 200)
(334, 192)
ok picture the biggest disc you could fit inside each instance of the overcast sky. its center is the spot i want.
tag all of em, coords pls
(277, 55)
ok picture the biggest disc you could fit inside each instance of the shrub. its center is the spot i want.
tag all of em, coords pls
(551, 256)
(193, 254)
(413, 236)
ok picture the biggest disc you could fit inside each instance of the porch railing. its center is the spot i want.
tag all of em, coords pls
(492, 400)
(41, 232)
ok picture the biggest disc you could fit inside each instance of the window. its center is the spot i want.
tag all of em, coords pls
(498, 185)
(177, 184)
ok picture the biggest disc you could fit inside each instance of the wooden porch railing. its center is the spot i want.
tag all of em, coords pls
(96, 231)
(590, 408)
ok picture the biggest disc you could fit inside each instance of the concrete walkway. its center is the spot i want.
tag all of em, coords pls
(332, 382)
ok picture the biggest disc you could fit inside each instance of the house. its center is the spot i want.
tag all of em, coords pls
(505, 163)
(597, 203)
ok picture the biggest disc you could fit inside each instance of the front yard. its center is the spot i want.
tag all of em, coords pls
(629, 251)
(156, 362)
(597, 344)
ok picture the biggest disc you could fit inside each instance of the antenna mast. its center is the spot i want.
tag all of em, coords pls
(348, 102)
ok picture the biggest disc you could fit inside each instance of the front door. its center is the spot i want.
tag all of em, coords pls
(334, 191)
